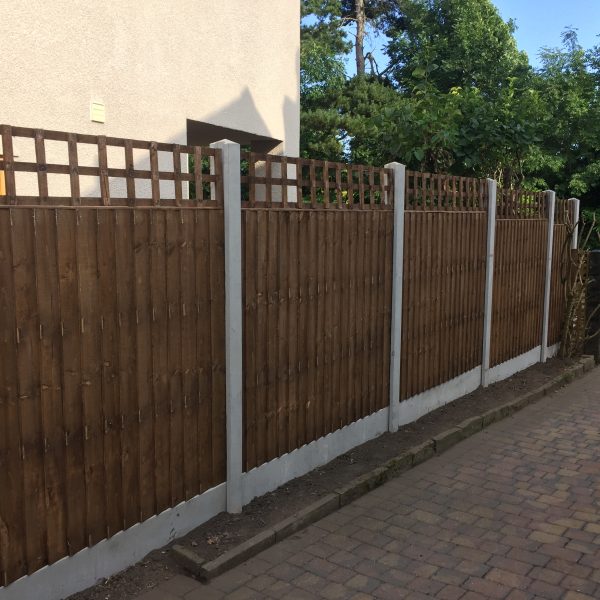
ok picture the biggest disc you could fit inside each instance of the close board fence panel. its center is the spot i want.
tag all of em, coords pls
(316, 298)
(112, 379)
(519, 271)
(560, 270)
(444, 279)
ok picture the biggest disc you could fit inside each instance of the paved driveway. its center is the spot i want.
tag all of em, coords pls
(513, 512)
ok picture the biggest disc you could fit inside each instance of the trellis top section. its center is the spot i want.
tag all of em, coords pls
(299, 183)
(57, 168)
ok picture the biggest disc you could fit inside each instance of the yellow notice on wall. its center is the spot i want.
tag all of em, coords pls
(97, 112)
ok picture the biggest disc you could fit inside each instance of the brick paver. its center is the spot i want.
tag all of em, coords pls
(511, 513)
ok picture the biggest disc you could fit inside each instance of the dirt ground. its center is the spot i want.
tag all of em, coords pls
(226, 531)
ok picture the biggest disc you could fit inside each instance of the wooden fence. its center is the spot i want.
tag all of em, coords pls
(113, 326)
(444, 282)
(317, 284)
(564, 221)
(519, 271)
(111, 336)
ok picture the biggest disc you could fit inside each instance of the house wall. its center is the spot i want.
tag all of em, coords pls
(154, 64)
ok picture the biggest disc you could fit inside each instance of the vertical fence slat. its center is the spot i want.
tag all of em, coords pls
(8, 158)
(74, 169)
(173, 240)
(12, 510)
(91, 374)
(311, 325)
(127, 421)
(218, 352)
(129, 170)
(103, 170)
(204, 307)
(198, 181)
(271, 306)
(145, 409)
(159, 328)
(293, 309)
(189, 364)
(177, 174)
(282, 343)
(40, 159)
(50, 380)
(154, 175)
(109, 350)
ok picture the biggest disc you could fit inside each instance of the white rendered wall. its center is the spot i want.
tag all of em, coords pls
(154, 64)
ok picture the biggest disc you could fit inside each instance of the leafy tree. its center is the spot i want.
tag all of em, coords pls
(454, 43)
(568, 158)
(456, 96)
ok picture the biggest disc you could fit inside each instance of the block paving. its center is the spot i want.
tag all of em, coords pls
(511, 513)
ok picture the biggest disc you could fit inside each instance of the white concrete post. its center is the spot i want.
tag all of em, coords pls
(233, 319)
(574, 210)
(489, 281)
(399, 175)
(550, 204)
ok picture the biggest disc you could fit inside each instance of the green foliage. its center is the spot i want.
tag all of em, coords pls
(454, 43)
(569, 156)
(457, 96)
(591, 218)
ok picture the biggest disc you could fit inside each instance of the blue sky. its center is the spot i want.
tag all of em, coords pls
(539, 23)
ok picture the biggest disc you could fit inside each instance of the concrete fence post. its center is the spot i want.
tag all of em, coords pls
(574, 212)
(233, 319)
(489, 281)
(550, 204)
(399, 176)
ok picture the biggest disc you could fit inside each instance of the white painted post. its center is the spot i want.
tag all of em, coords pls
(399, 175)
(574, 211)
(489, 281)
(233, 319)
(550, 204)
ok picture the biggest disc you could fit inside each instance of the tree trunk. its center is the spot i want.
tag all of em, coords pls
(360, 36)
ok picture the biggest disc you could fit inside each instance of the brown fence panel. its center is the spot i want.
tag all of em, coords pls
(317, 300)
(519, 275)
(112, 379)
(560, 271)
(560, 266)
(443, 292)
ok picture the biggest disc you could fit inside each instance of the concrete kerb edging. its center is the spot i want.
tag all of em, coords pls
(204, 571)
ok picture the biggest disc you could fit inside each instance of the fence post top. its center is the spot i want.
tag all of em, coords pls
(395, 165)
(223, 143)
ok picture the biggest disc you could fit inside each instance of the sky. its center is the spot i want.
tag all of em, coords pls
(539, 24)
